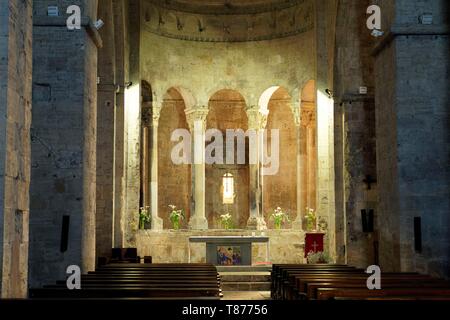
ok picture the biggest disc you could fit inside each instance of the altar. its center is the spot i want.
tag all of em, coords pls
(230, 250)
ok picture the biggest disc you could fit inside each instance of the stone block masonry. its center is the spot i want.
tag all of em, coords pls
(412, 102)
(15, 118)
(63, 150)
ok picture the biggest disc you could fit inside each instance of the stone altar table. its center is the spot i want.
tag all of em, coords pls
(230, 250)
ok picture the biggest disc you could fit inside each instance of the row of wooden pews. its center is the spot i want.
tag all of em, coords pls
(341, 282)
(140, 281)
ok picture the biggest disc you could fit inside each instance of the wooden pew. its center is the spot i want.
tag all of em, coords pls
(312, 289)
(342, 282)
(141, 281)
(280, 271)
(286, 281)
(364, 293)
(302, 282)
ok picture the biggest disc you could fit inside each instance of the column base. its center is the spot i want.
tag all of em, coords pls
(256, 223)
(297, 224)
(157, 223)
(198, 223)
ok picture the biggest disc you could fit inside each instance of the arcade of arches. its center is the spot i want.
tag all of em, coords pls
(87, 121)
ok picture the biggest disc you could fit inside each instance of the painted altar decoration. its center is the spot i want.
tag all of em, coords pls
(229, 256)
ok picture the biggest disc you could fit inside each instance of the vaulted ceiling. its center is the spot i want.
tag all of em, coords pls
(228, 20)
(226, 6)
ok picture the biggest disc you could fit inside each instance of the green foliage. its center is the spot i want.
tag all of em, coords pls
(278, 217)
(144, 216)
(176, 216)
(226, 221)
(311, 220)
(318, 257)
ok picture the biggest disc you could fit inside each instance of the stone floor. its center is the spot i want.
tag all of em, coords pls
(246, 295)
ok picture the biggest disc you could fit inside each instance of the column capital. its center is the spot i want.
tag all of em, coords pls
(156, 114)
(297, 116)
(257, 119)
(308, 117)
(197, 113)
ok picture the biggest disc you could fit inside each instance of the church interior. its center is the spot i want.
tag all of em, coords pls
(210, 148)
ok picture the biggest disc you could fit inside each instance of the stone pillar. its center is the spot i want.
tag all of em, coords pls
(256, 122)
(297, 224)
(196, 118)
(145, 150)
(63, 144)
(310, 171)
(15, 117)
(157, 223)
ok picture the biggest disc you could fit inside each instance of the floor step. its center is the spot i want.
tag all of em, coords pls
(261, 268)
(245, 276)
(245, 286)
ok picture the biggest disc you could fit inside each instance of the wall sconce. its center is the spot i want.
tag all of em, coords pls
(52, 11)
(362, 90)
(329, 93)
(98, 24)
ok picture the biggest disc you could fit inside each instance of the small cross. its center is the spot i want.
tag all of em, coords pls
(369, 180)
(315, 245)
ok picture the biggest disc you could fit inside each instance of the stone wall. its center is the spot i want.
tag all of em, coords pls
(15, 119)
(63, 146)
(249, 68)
(413, 129)
(355, 133)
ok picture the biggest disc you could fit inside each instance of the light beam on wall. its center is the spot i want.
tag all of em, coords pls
(265, 99)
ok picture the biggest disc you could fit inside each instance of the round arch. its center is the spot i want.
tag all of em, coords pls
(227, 112)
(174, 179)
(280, 186)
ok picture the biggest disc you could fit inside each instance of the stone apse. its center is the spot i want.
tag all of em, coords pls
(248, 76)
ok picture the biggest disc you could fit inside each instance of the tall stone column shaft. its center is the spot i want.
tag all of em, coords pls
(157, 223)
(310, 166)
(196, 118)
(298, 223)
(256, 122)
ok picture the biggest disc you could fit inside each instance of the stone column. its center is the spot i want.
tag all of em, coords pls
(256, 122)
(196, 118)
(157, 223)
(310, 165)
(297, 224)
(145, 157)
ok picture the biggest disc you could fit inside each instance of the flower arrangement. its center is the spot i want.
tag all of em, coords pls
(225, 220)
(278, 217)
(176, 216)
(144, 216)
(318, 257)
(311, 219)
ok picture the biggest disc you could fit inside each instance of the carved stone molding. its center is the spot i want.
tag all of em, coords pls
(196, 114)
(278, 19)
(256, 120)
(156, 114)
